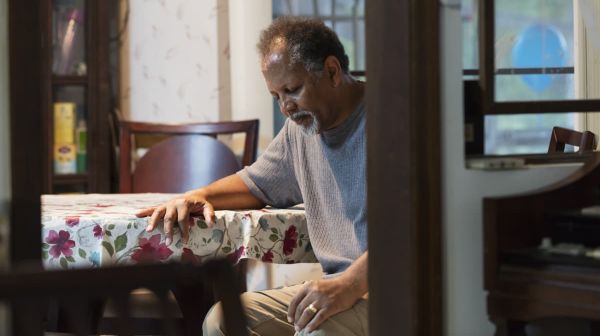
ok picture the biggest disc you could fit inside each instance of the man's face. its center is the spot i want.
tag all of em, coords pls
(302, 96)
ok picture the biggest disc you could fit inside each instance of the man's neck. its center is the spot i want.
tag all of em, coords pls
(351, 96)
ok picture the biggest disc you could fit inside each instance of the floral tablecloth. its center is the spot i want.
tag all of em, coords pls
(95, 230)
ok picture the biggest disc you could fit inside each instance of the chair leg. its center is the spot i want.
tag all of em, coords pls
(194, 302)
(594, 328)
(169, 324)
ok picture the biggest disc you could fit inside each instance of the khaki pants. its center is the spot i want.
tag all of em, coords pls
(266, 312)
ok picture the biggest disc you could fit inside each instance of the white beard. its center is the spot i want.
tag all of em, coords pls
(311, 129)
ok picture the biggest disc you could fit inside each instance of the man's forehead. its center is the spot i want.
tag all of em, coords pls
(279, 61)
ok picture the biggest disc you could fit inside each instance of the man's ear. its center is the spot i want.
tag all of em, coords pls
(333, 70)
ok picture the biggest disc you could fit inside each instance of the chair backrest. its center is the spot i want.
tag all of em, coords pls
(31, 291)
(190, 158)
(585, 141)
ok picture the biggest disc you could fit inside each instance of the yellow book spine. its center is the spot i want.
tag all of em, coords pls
(64, 123)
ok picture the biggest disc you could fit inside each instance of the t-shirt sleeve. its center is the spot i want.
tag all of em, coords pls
(272, 178)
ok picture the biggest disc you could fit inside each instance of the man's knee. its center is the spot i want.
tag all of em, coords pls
(213, 322)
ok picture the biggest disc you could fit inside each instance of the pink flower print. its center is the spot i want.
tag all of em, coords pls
(62, 243)
(98, 233)
(151, 250)
(290, 239)
(268, 256)
(188, 256)
(71, 220)
(237, 255)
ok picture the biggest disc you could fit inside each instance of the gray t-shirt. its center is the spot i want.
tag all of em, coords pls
(327, 173)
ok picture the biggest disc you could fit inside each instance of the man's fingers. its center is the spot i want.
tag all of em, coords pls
(156, 215)
(305, 312)
(168, 224)
(316, 321)
(294, 304)
(301, 311)
(183, 218)
(209, 213)
(145, 212)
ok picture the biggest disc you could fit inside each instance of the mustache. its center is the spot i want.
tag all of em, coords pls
(301, 114)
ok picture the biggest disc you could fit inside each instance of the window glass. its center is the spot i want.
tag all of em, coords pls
(469, 27)
(344, 7)
(280, 8)
(346, 34)
(360, 8)
(523, 28)
(534, 34)
(523, 133)
(68, 38)
(324, 7)
(360, 59)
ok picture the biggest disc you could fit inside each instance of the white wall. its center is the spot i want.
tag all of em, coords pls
(249, 95)
(187, 61)
(463, 192)
(172, 62)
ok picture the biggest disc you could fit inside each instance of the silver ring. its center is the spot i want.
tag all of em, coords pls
(311, 308)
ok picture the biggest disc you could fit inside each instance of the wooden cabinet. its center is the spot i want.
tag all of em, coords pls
(34, 87)
(526, 282)
(75, 95)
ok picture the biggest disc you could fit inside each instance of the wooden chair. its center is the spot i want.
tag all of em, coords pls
(187, 157)
(585, 141)
(190, 158)
(29, 292)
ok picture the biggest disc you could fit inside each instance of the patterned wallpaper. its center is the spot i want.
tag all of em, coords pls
(174, 57)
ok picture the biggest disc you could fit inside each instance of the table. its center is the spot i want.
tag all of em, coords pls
(96, 230)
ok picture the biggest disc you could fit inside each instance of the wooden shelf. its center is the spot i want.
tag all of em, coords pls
(70, 179)
(69, 80)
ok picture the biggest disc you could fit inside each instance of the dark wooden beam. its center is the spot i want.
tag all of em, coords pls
(26, 129)
(404, 184)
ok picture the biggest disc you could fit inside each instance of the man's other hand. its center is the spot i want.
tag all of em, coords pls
(320, 299)
(179, 210)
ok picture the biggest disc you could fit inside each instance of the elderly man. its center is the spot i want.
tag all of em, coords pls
(318, 159)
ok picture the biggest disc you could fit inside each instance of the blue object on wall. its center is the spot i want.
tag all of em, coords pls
(539, 46)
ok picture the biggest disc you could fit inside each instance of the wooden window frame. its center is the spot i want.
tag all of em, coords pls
(487, 78)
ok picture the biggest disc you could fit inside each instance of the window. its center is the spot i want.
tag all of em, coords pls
(535, 71)
(345, 17)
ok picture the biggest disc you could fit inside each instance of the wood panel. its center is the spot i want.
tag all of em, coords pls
(403, 129)
(26, 128)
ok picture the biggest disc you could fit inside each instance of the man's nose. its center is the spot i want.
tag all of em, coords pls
(288, 107)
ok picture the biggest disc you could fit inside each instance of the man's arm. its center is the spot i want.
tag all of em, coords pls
(227, 193)
(329, 296)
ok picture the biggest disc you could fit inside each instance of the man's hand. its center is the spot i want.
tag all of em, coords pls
(327, 297)
(179, 210)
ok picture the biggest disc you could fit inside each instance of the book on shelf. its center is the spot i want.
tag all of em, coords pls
(81, 145)
(64, 138)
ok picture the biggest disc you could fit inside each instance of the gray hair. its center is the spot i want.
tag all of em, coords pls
(308, 41)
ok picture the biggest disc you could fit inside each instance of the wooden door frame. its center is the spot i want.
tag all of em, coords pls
(404, 167)
(27, 132)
